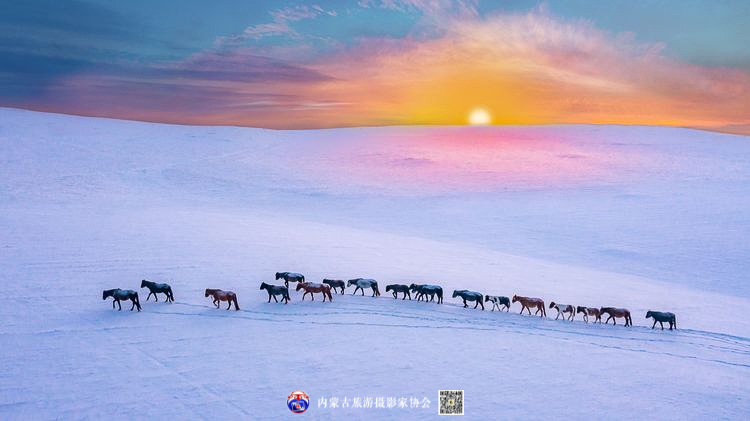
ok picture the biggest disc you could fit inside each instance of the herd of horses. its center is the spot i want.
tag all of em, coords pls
(425, 292)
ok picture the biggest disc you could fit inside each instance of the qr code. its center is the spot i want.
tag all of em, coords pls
(451, 402)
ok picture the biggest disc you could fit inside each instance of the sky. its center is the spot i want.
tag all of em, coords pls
(296, 64)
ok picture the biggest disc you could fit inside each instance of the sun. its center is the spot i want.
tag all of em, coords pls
(479, 117)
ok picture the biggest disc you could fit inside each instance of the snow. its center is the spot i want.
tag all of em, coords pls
(646, 218)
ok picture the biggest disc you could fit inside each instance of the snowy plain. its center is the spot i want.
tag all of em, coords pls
(638, 217)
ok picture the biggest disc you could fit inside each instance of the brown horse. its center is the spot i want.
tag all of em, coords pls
(589, 311)
(311, 287)
(220, 295)
(528, 303)
(614, 313)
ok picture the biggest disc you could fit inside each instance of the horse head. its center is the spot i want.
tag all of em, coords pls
(279, 275)
(143, 283)
(105, 294)
(486, 298)
(300, 286)
(208, 292)
(351, 282)
(551, 304)
(580, 309)
(515, 298)
(263, 285)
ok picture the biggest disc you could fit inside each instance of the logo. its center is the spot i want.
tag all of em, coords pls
(298, 401)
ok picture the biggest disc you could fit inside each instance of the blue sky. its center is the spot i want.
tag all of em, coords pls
(46, 44)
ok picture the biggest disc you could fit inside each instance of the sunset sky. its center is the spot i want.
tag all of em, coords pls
(293, 64)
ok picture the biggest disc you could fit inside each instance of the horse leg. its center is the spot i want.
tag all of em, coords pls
(133, 306)
(230, 304)
(156, 297)
(558, 314)
(269, 297)
(113, 303)
(662, 325)
(119, 305)
(274, 298)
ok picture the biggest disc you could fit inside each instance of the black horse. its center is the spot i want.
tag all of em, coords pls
(467, 295)
(274, 290)
(424, 290)
(290, 277)
(335, 283)
(155, 288)
(662, 318)
(396, 288)
(124, 295)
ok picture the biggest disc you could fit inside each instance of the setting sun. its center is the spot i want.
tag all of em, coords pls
(479, 117)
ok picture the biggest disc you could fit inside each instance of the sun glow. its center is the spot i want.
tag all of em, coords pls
(479, 117)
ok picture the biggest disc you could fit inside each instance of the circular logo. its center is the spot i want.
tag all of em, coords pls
(298, 401)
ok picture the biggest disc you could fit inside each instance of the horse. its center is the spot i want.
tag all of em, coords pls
(335, 283)
(614, 313)
(274, 290)
(290, 277)
(431, 290)
(528, 302)
(311, 287)
(497, 301)
(467, 295)
(155, 288)
(362, 283)
(396, 288)
(122, 294)
(662, 317)
(589, 311)
(563, 308)
(220, 295)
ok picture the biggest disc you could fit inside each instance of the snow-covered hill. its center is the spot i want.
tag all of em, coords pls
(638, 217)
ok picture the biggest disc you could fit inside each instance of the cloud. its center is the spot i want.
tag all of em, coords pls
(526, 68)
(279, 25)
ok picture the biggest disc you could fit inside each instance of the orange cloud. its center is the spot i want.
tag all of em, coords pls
(530, 68)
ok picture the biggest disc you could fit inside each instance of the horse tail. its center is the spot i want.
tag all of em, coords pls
(137, 302)
(377, 290)
(234, 300)
(674, 319)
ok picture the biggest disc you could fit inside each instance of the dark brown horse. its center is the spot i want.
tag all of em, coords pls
(290, 277)
(662, 318)
(589, 311)
(220, 295)
(614, 313)
(122, 295)
(335, 283)
(311, 287)
(274, 290)
(529, 302)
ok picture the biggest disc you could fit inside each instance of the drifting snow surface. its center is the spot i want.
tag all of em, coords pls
(638, 217)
